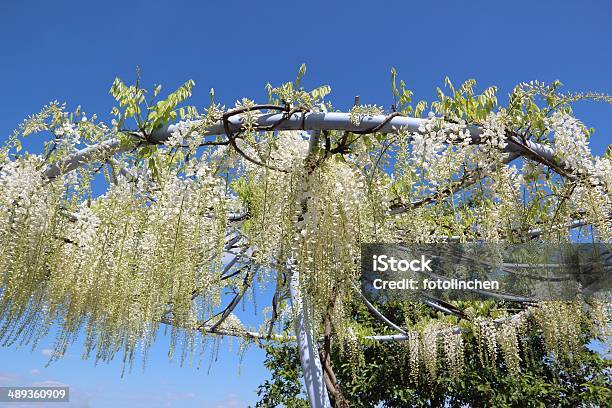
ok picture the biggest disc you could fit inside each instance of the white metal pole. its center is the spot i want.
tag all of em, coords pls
(305, 121)
(309, 356)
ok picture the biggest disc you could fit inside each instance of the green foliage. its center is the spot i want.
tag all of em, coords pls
(293, 94)
(285, 387)
(129, 98)
(165, 110)
(403, 97)
(132, 98)
(385, 378)
(463, 104)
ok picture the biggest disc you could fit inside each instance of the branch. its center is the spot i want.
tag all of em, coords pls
(275, 300)
(469, 178)
(376, 313)
(532, 233)
(102, 150)
(252, 160)
(246, 283)
(442, 306)
(302, 120)
(246, 334)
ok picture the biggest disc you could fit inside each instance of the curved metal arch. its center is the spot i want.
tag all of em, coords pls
(315, 121)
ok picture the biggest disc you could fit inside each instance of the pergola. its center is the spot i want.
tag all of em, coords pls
(317, 123)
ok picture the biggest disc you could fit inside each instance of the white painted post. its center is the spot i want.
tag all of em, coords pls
(309, 356)
(304, 333)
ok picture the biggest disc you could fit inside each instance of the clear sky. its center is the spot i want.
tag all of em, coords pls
(72, 51)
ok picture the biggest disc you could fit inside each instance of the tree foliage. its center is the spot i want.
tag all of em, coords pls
(385, 376)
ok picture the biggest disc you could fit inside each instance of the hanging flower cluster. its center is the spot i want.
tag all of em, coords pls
(486, 334)
(439, 149)
(560, 323)
(571, 141)
(112, 265)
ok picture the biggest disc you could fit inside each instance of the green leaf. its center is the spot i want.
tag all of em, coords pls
(301, 73)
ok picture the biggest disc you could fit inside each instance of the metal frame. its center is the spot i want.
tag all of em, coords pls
(316, 122)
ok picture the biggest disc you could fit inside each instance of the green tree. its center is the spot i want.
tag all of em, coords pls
(385, 377)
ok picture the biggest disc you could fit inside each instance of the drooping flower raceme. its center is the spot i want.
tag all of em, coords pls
(150, 246)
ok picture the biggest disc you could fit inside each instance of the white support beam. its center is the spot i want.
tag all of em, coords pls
(298, 121)
(80, 158)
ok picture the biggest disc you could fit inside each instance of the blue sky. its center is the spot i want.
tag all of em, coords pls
(71, 51)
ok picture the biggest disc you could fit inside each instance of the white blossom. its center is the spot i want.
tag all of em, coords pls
(570, 141)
